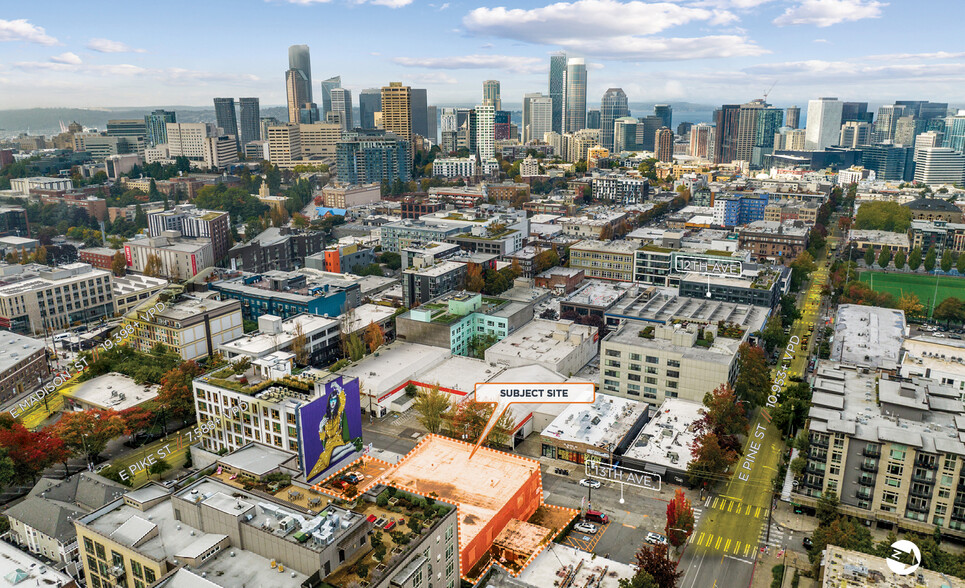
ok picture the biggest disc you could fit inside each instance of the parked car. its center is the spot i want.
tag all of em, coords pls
(597, 517)
(588, 528)
(353, 477)
(590, 483)
(656, 539)
(807, 543)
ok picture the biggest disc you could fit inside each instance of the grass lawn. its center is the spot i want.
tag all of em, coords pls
(922, 285)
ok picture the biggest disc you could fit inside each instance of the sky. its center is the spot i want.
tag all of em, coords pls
(100, 54)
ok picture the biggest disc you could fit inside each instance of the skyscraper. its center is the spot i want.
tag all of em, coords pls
(856, 111)
(769, 120)
(613, 106)
(370, 102)
(557, 88)
(224, 113)
(396, 114)
(432, 116)
(823, 126)
(537, 116)
(327, 87)
(574, 99)
(665, 112)
(955, 132)
(491, 94)
(664, 144)
(888, 116)
(593, 119)
(250, 119)
(419, 112)
(156, 123)
(647, 128)
(341, 103)
(625, 134)
(854, 134)
(702, 140)
(793, 116)
(726, 119)
(747, 129)
(503, 121)
(298, 80)
(485, 131)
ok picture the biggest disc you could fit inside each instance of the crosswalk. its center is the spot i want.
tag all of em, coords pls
(776, 540)
(725, 504)
(725, 545)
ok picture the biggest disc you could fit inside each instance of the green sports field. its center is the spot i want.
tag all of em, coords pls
(921, 285)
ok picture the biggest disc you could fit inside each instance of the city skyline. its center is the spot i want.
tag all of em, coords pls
(732, 50)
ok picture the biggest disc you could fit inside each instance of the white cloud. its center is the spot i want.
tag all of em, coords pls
(506, 62)
(825, 41)
(598, 19)
(816, 70)
(390, 3)
(68, 57)
(435, 78)
(444, 6)
(108, 46)
(732, 4)
(936, 55)
(824, 13)
(612, 29)
(22, 30)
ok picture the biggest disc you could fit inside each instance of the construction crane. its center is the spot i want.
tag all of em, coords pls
(768, 91)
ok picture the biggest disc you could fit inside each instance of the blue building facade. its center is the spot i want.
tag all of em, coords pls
(320, 300)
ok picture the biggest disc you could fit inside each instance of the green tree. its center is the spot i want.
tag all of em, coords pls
(432, 406)
(640, 580)
(159, 467)
(883, 216)
(961, 264)
(140, 217)
(753, 377)
(789, 310)
(827, 508)
(798, 464)
(801, 268)
(900, 259)
(930, 259)
(948, 260)
(884, 258)
(949, 310)
(773, 334)
(914, 259)
(869, 255)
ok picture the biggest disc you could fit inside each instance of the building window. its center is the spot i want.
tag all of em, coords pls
(652, 359)
(149, 575)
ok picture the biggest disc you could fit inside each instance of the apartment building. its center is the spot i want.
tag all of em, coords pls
(35, 297)
(322, 339)
(940, 234)
(133, 290)
(420, 285)
(193, 327)
(863, 239)
(193, 222)
(890, 448)
(621, 189)
(773, 241)
(345, 196)
(23, 364)
(179, 258)
(657, 362)
(591, 226)
(607, 260)
(454, 167)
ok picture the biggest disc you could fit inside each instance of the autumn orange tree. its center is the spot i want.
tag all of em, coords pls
(31, 452)
(374, 337)
(474, 278)
(138, 418)
(710, 460)
(680, 519)
(653, 560)
(88, 432)
(175, 395)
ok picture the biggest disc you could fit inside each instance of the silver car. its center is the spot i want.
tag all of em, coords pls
(588, 528)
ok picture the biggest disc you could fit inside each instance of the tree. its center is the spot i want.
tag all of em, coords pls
(411, 390)
(798, 464)
(914, 259)
(869, 256)
(930, 259)
(137, 419)
(30, 452)
(159, 467)
(900, 259)
(948, 260)
(680, 519)
(884, 258)
(911, 305)
(88, 432)
(354, 347)
(640, 580)
(516, 269)
(8, 472)
(960, 265)
(725, 416)
(773, 334)
(827, 508)
(153, 266)
(845, 532)
(499, 435)
(468, 419)
(119, 264)
(653, 560)
(40, 255)
(710, 460)
(175, 394)
(432, 406)
(948, 310)
(883, 216)
(545, 260)
(300, 345)
(140, 217)
(474, 278)
(374, 337)
(300, 220)
(789, 311)
(801, 268)
(753, 377)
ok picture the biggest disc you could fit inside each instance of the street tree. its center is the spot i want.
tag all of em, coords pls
(753, 377)
(88, 432)
(948, 260)
(914, 259)
(884, 258)
(680, 519)
(119, 264)
(432, 406)
(374, 337)
(930, 259)
(710, 460)
(153, 267)
(949, 310)
(653, 560)
(869, 256)
(175, 396)
(773, 334)
(30, 452)
(159, 467)
(900, 259)
(911, 305)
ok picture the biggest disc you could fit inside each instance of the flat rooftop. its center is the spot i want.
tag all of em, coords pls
(192, 307)
(557, 559)
(843, 567)
(721, 350)
(257, 459)
(24, 565)
(437, 269)
(396, 364)
(662, 305)
(113, 391)
(362, 316)
(607, 246)
(607, 420)
(868, 335)
(258, 344)
(666, 439)
(883, 237)
(926, 352)
(542, 341)
(844, 400)
(459, 373)
(598, 293)
(135, 283)
(481, 486)
(16, 348)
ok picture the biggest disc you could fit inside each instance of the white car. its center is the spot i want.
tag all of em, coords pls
(656, 539)
(590, 483)
(587, 528)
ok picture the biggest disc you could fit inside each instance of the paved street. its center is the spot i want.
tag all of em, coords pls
(730, 535)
